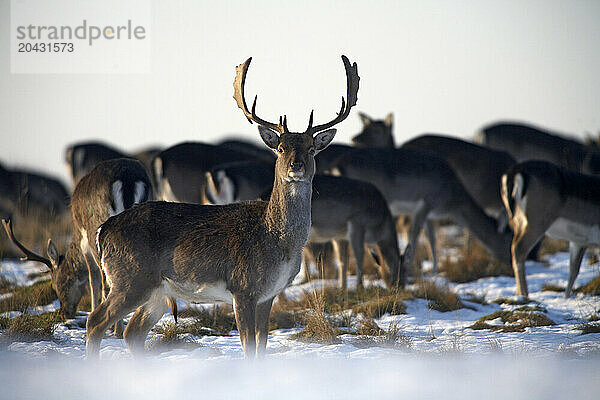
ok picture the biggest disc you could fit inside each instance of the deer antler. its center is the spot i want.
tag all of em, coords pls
(352, 80)
(29, 255)
(238, 94)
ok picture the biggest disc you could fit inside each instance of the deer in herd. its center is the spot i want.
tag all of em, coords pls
(544, 199)
(479, 169)
(342, 209)
(110, 188)
(172, 167)
(244, 253)
(26, 192)
(525, 142)
(424, 186)
(82, 157)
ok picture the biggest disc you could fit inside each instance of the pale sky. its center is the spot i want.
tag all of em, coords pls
(448, 67)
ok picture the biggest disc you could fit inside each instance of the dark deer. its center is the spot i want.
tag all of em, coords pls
(525, 142)
(242, 253)
(82, 157)
(544, 199)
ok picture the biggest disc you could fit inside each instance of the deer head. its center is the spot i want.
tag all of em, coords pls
(69, 278)
(295, 151)
(375, 133)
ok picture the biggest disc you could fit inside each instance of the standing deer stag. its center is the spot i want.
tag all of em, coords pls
(342, 209)
(244, 254)
(544, 199)
(111, 187)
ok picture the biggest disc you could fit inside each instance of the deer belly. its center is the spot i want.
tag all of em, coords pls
(324, 235)
(399, 208)
(574, 232)
(204, 293)
(285, 274)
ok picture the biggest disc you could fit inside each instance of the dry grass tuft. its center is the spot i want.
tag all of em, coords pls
(204, 323)
(591, 288)
(283, 318)
(373, 302)
(318, 329)
(590, 327)
(514, 321)
(474, 263)
(550, 287)
(29, 328)
(552, 246)
(25, 297)
(385, 302)
(441, 298)
(173, 336)
(369, 327)
(511, 301)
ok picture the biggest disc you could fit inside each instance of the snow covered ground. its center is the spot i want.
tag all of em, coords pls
(439, 355)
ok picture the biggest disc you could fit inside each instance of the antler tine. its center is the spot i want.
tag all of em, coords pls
(310, 120)
(29, 255)
(352, 83)
(285, 127)
(238, 94)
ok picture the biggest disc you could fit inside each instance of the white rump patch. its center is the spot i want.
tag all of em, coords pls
(166, 193)
(117, 195)
(98, 240)
(225, 195)
(140, 191)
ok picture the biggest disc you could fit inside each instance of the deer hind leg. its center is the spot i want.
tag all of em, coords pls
(95, 275)
(263, 311)
(418, 219)
(429, 229)
(342, 260)
(107, 313)
(356, 236)
(576, 253)
(144, 318)
(244, 308)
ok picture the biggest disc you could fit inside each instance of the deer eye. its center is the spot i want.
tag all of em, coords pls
(311, 151)
(280, 149)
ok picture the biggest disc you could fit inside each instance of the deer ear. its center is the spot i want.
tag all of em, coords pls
(322, 139)
(268, 136)
(389, 120)
(364, 118)
(53, 253)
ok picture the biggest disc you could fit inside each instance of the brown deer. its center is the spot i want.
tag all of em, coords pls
(244, 254)
(111, 187)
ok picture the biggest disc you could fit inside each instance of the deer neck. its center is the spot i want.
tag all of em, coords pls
(288, 212)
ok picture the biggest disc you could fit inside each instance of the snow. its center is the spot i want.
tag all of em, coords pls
(436, 355)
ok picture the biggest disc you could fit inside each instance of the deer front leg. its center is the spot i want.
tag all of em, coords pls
(95, 279)
(356, 235)
(576, 253)
(244, 307)
(418, 219)
(107, 313)
(263, 311)
(429, 229)
(342, 260)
